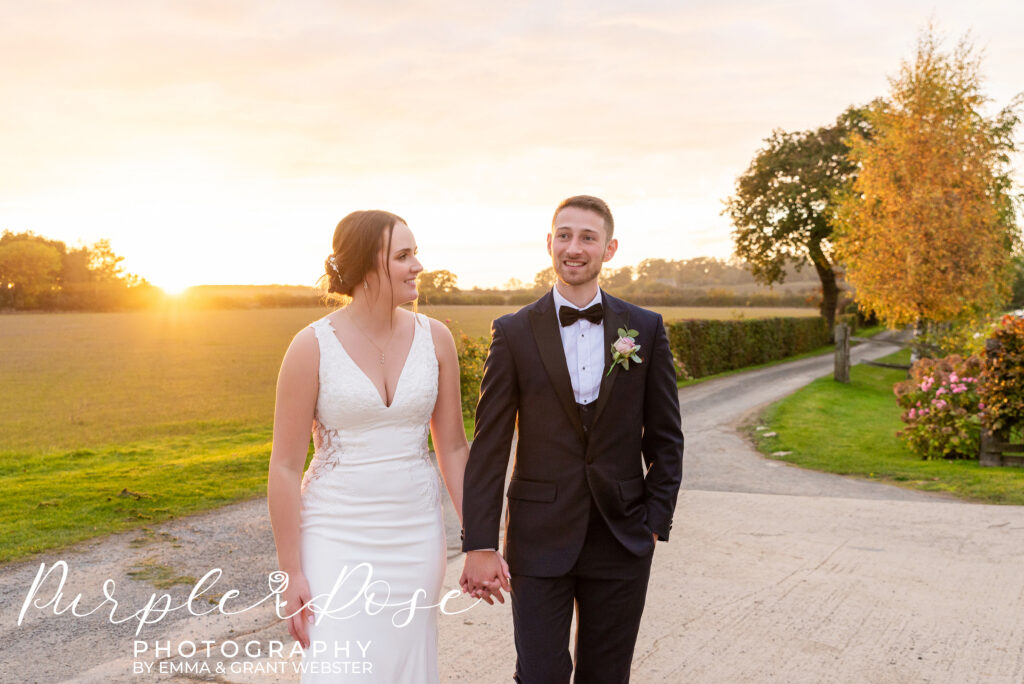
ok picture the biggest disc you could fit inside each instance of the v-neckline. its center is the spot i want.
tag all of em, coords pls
(373, 385)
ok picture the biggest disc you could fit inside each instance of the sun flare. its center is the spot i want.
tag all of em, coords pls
(175, 289)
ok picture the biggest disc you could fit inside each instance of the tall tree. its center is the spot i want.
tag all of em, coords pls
(617, 278)
(433, 283)
(28, 269)
(75, 267)
(438, 281)
(653, 272)
(87, 276)
(104, 264)
(544, 280)
(782, 209)
(928, 226)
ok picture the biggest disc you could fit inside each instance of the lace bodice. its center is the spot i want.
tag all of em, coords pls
(352, 426)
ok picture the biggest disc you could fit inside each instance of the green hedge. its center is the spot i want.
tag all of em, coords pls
(705, 347)
(472, 354)
(701, 347)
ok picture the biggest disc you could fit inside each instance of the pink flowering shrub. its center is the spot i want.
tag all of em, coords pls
(941, 407)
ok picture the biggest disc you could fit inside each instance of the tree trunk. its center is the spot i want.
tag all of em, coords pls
(915, 348)
(829, 287)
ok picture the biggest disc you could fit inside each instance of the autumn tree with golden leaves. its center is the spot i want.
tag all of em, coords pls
(927, 229)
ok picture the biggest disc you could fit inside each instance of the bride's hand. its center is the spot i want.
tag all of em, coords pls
(495, 585)
(298, 594)
(484, 575)
(504, 571)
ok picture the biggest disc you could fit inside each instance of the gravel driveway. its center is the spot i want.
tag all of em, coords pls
(773, 574)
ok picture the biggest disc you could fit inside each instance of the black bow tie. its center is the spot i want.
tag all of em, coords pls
(567, 315)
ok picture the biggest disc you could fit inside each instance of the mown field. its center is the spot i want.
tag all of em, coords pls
(81, 380)
(115, 420)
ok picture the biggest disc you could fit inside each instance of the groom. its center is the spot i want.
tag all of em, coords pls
(598, 461)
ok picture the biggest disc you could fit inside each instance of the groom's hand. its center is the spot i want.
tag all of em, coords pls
(484, 575)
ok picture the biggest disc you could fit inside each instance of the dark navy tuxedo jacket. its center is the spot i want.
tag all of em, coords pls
(630, 463)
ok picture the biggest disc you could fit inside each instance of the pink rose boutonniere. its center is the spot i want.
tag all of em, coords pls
(624, 349)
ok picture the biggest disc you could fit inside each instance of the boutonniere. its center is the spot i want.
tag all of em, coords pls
(624, 349)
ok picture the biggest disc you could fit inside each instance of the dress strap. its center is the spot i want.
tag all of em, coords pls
(324, 332)
(423, 321)
(318, 327)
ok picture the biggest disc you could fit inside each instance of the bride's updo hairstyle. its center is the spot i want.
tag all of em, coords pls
(358, 240)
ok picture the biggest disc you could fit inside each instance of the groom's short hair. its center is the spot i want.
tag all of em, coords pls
(591, 203)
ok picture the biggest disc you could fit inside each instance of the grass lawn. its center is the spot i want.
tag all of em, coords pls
(851, 430)
(60, 497)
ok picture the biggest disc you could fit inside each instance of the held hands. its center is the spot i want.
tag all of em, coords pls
(297, 594)
(484, 575)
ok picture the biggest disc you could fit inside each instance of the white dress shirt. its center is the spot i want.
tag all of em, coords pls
(583, 343)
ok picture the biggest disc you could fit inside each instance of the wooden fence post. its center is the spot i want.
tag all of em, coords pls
(988, 455)
(842, 368)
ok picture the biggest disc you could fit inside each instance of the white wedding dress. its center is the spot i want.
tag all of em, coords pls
(371, 513)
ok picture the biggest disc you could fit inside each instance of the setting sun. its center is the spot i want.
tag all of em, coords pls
(174, 290)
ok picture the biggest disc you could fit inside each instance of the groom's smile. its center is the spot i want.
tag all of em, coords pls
(578, 244)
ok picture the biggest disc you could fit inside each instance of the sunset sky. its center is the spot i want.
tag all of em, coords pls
(220, 142)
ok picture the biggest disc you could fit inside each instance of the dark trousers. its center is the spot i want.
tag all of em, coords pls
(607, 587)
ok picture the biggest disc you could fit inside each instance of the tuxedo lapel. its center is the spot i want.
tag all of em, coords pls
(552, 355)
(614, 312)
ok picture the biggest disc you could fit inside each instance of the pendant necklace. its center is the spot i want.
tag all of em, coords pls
(380, 350)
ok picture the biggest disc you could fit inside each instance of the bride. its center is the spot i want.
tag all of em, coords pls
(360, 534)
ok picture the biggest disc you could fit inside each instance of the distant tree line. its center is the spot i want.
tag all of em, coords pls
(655, 282)
(44, 274)
(702, 281)
(40, 273)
